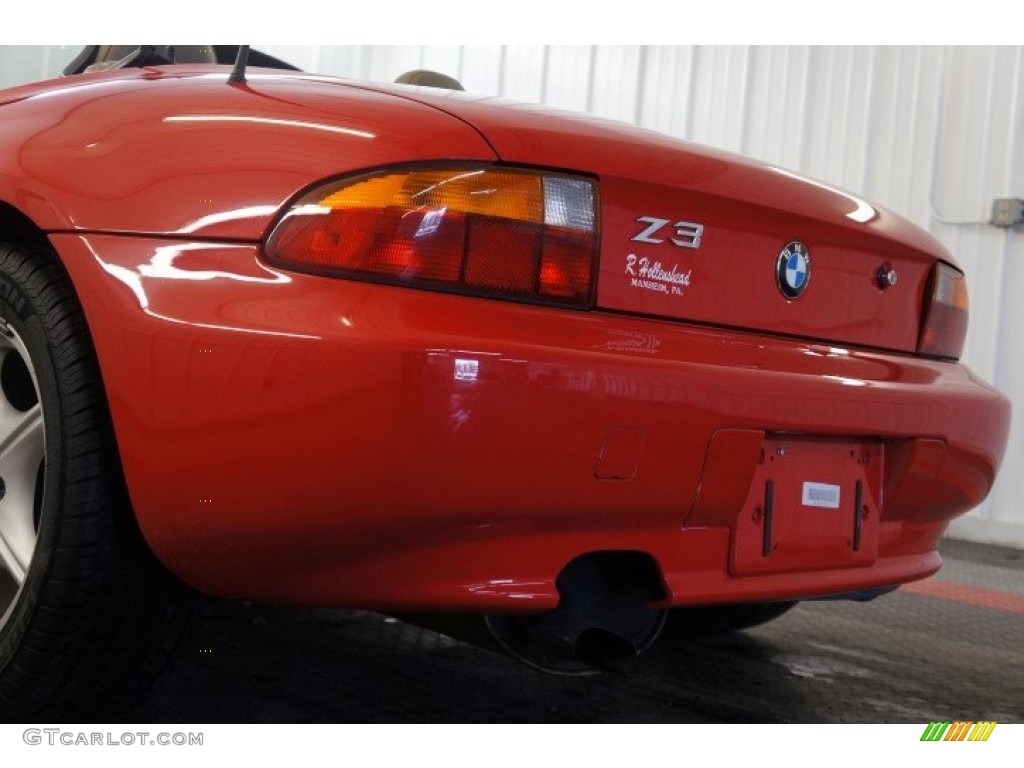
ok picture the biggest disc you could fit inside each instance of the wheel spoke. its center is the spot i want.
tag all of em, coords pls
(12, 563)
(21, 451)
(17, 510)
(21, 436)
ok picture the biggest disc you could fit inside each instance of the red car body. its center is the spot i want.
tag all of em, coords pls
(300, 437)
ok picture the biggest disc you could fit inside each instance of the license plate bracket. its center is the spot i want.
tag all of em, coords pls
(813, 504)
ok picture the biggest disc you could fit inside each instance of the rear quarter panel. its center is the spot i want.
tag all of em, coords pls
(174, 152)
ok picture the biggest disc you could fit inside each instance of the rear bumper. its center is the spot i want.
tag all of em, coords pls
(291, 437)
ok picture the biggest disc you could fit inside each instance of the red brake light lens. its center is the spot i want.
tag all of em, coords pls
(470, 229)
(944, 329)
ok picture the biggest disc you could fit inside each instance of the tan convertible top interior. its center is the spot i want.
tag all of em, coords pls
(110, 56)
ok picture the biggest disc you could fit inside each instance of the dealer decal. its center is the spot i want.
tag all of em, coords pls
(654, 276)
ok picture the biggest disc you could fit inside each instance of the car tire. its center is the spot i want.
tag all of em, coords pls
(87, 615)
(708, 620)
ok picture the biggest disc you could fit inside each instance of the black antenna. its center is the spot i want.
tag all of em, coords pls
(238, 73)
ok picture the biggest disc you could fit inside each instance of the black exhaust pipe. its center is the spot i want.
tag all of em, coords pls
(602, 649)
(602, 622)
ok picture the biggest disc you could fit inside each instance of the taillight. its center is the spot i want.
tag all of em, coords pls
(469, 229)
(945, 314)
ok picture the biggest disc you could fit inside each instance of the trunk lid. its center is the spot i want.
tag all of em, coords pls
(655, 190)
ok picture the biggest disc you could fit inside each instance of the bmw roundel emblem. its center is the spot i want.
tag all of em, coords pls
(793, 270)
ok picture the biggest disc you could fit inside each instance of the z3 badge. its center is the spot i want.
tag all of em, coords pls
(687, 234)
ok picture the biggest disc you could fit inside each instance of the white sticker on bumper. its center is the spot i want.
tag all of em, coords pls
(821, 495)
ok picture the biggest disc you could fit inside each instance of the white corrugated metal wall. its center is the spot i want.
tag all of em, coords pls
(934, 133)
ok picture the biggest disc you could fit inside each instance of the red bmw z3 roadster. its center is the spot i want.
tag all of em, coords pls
(569, 383)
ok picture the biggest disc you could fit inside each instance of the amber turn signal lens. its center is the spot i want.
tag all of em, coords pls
(944, 328)
(484, 230)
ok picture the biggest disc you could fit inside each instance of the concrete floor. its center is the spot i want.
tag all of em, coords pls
(950, 648)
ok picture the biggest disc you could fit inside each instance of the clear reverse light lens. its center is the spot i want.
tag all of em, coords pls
(569, 203)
